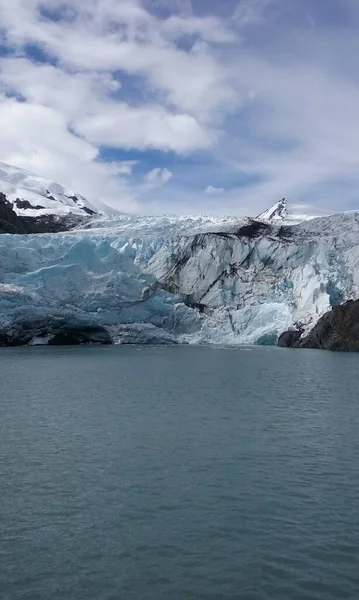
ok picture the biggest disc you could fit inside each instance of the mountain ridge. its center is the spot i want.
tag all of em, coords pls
(292, 213)
(32, 195)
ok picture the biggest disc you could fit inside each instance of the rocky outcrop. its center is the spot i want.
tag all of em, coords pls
(87, 210)
(56, 332)
(60, 332)
(289, 339)
(337, 330)
(10, 222)
(52, 223)
(25, 205)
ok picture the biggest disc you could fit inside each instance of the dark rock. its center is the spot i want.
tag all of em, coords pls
(5, 340)
(10, 222)
(195, 305)
(25, 205)
(288, 339)
(88, 211)
(84, 208)
(54, 332)
(337, 330)
(285, 232)
(50, 197)
(73, 336)
(52, 223)
(253, 229)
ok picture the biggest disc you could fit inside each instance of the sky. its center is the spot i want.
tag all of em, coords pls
(185, 106)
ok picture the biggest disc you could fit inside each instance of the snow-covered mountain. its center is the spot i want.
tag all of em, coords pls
(34, 196)
(190, 279)
(291, 213)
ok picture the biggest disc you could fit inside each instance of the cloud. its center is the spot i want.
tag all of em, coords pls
(113, 76)
(85, 99)
(112, 36)
(181, 7)
(158, 176)
(123, 126)
(213, 191)
(209, 28)
(266, 99)
(251, 12)
(36, 138)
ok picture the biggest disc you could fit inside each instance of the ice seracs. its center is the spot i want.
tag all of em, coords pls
(161, 282)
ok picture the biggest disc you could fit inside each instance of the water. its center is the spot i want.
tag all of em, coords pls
(178, 473)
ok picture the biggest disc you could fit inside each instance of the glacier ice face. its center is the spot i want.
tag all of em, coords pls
(82, 278)
(252, 288)
(169, 280)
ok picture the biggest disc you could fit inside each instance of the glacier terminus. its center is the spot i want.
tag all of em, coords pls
(161, 279)
(195, 279)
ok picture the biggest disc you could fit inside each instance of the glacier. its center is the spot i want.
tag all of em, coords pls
(193, 279)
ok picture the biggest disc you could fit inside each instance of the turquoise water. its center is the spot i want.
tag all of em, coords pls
(178, 473)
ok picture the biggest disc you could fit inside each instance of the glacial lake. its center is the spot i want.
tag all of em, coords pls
(179, 473)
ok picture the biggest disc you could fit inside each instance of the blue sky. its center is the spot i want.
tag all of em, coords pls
(174, 106)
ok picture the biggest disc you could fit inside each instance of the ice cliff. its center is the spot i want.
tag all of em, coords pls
(171, 280)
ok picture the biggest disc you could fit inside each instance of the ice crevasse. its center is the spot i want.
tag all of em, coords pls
(179, 280)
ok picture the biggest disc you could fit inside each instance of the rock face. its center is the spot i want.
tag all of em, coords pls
(289, 339)
(9, 221)
(337, 330)
(57, 332)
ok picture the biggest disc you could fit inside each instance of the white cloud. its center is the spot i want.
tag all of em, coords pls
(123, 36)
(181, 7)
(213, 191)
(117, 78)
(158, 176)
(122, 126)
(273, 104)
(301, 138)
(71, 93)
(36, 138)
(209, 28)
(249, 12)
(85, 99)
